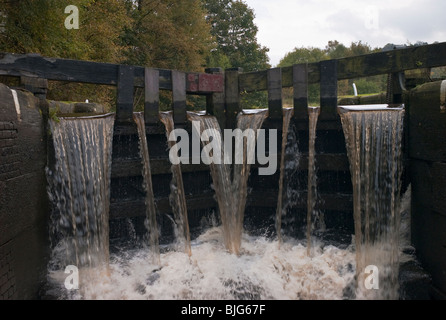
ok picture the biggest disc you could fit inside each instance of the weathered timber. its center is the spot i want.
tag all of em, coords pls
(136, 208)
(215, 103)
(329, 89)
(268, 199)
(275, 93)
(232, 97)
(427, 56)
(179, 97)
(326, 162)
(300, 91)
(151, 96)
(124, 104)
(36, 66)
(133, 167)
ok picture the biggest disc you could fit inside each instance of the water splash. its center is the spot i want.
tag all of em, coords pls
(212, 273)
(373, 139)
(151, 224)
(231, 182)
(177, 197)
(78, 188)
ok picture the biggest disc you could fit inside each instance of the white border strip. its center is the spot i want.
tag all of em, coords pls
(16, 103)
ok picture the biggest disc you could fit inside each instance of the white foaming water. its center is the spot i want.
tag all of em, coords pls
(260, 272)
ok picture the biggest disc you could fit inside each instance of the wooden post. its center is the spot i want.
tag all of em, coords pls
(179, 97)
(151, 93)
(274, 80)
(38, 86)
(215, 103)
(300, 89)
(395, 87)
(232, 97)
(124, 105)
(329, 88)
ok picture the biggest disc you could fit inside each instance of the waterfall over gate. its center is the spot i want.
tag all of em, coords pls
(78, 186)
(374, 138)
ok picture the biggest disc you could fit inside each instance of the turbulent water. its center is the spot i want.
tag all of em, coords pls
(224, 262)
(373, 139)
(260, 272)
(78, 187)
(230, 181)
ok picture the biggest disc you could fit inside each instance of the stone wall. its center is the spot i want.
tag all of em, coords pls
(23, 198)
(427, 151)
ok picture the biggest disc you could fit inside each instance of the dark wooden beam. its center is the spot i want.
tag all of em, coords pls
(268, 199)
(300, 91)
(275, 93)
(136, 208)
(151, 93)
(124, 104)
(232, 96)
(427, 56)
(215, 103)
(179, 97)
(329, 89)
(55, 69)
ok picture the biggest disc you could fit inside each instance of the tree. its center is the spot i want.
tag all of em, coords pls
(167, 34)
(235, 34)
(38, 26)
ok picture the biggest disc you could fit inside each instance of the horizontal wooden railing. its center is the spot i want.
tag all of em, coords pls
(223, 88)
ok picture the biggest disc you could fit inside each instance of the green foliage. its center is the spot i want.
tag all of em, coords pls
(369, 85)
(167, 34)
(38, 26)
(53, 115)
(164, 34)
(236, 34)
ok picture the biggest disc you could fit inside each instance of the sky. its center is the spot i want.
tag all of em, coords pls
(287, 24)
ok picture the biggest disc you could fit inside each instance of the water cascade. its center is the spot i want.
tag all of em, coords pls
(177, 197)
(78, 187)
(287, 114)
(230, 182)
(313, 217)
(219, 268)
(373, 139)
(151, 224)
